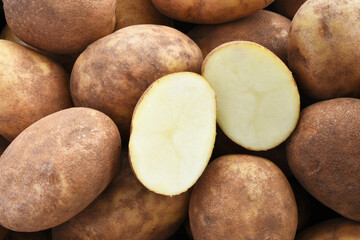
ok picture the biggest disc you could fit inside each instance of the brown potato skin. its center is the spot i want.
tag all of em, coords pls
(323, 50)
(32, 86)
(242, 197)
(287, 8)
(337, 229)
(323, 154)
(60, 27)
(127, 210)
(112, 73)
(133, 12)
(255, 28)
(209, 11)
(56, 167)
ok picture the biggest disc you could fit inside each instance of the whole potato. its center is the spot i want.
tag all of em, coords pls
(31, 87)
(132, 12)
(62, 27)
(127, 210)
(338, 228)
(324, 154)
(287, 8)
(56, 167)
(209, 12)
(112, 73)
(255, 28)
(323, 49)
(242, 197)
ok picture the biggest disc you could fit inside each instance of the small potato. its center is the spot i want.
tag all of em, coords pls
(287, 8)
(338, 228)
(32, 86)
(112, 73)
(255, 28)
(323, 154)
(323, 48)
(209, 12)
(127, 210)
(242, 197)
(56, 167)
(133, 12)
(62, 27)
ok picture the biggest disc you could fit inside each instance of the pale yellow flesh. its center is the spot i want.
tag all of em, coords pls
(173, 133)
(258, 100)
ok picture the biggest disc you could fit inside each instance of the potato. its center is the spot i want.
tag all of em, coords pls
(287, 8)
(255, 28)
(242, 197)
(112, 73)
(338, 228)
(56, 167)
(31, 87)
(323, 154)
(60, 27)
(323, 48)
(133, 12)
(127, 210)
(209, 12)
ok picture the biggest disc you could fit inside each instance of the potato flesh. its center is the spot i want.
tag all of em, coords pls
(173, 133)
(258, 101)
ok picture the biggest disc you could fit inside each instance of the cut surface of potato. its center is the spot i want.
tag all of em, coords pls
(258, 100)
(173, 133)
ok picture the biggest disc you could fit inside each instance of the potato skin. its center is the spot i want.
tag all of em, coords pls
(60, 27)
(127, 210)
(323, 50)
(32, 86)
(56, 168)
(209, 11)
(112, 73)
(323, 154)
(338, 228)
(255, 28)
(242, 197)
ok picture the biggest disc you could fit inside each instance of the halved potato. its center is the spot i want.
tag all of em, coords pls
(173, 133)
(258, 100)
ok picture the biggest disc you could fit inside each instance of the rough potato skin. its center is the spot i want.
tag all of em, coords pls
(64, 26)
(112, 73)
(255, 28)
(127, 210)
(32, 86)
(334, 229)
(56, 167)
(324, 154)
(132, 12)
(242, 197)
(287, 8)
(323, 48)
(209, 11)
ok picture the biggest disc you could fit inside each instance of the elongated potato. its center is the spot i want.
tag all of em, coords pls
(242, 197)
(112, 73)
(32, 86)
(127, 210)
(56, 167)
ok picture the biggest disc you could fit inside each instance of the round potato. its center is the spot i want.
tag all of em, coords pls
(133, 12)
(209, 12)
(56, 167)
(323, 48)
(255, 28)
(112, 73)
(31, 87)
(338, 228)
(127, 210)
(60, 27)
(242, 197)
(323, 154)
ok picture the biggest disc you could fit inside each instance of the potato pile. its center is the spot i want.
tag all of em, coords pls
(179, 120)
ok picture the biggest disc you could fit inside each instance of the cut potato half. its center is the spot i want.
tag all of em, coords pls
(173, 133)
(258, 100)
